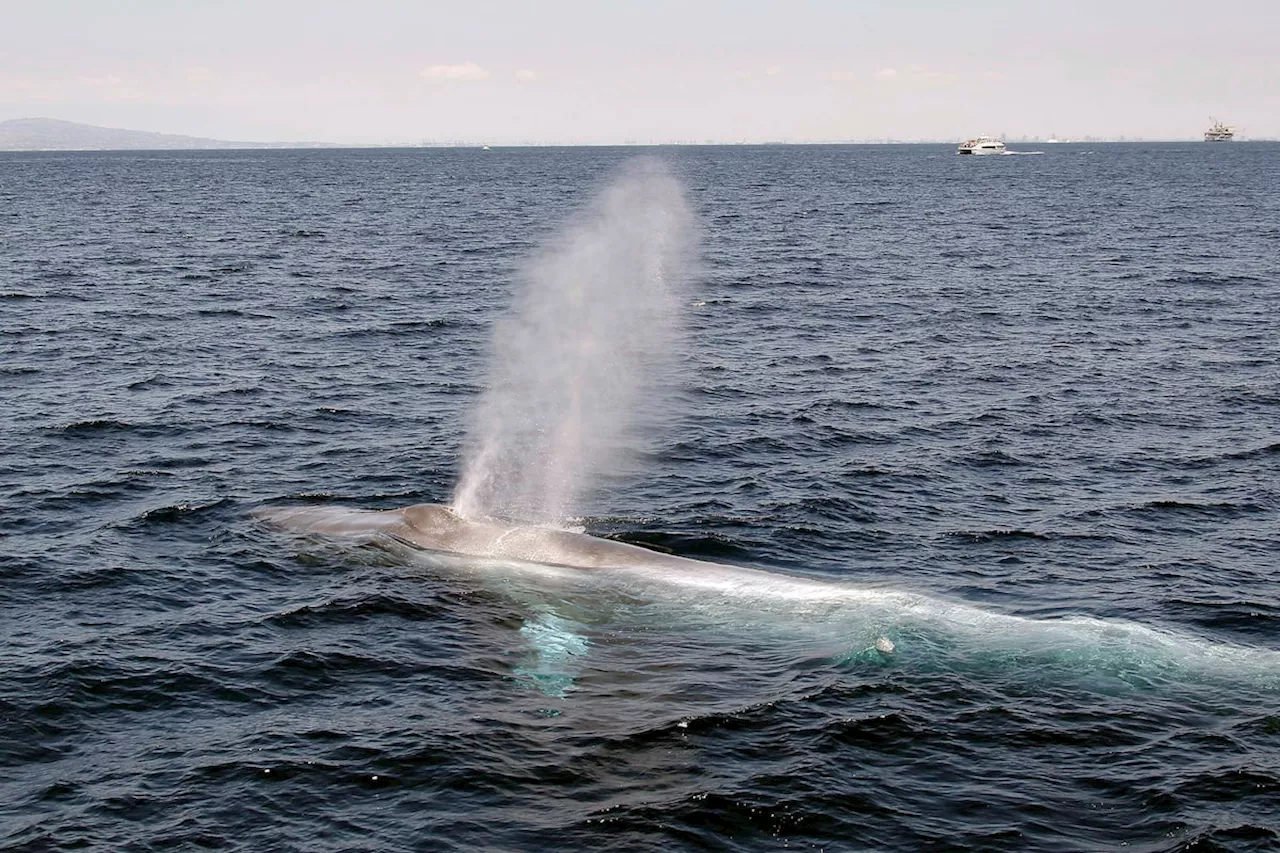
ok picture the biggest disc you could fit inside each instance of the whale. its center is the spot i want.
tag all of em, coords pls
(542, 550)
(542, 567)
(436, 527)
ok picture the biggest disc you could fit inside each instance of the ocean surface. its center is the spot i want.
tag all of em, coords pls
(1021, 415)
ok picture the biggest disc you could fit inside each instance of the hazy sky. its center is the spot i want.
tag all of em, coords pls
(569, 71)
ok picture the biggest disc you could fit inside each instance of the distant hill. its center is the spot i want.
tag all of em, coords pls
(48, 134)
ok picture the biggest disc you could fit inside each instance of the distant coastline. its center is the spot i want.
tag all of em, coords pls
(48, 134)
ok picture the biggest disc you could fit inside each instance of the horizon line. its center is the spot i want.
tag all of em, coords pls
(198, 143)
(464, 144)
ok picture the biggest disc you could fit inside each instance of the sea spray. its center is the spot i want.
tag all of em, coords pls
(575, 361)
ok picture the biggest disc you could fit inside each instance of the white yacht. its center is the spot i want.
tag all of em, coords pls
(1218, 133)
(982, 145)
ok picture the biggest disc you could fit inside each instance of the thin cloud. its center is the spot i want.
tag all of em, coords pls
(200, 74)
(916, 76)
(745, 76)
(929, 76)
(467, 72)
(103, 88)
(524, 75)
(25, 89)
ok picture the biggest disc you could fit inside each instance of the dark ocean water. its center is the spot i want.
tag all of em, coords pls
(1033, 400)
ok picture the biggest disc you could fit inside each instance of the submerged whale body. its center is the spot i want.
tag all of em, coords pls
(537, 565)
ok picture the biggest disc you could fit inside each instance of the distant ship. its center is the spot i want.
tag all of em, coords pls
(1219, 132)
(981, 145)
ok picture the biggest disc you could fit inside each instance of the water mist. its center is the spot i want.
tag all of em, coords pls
(577, 358)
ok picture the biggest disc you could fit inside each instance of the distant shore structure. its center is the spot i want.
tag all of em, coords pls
(1219, 132)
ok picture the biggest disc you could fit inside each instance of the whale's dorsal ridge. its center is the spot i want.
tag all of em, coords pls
(430, 518)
